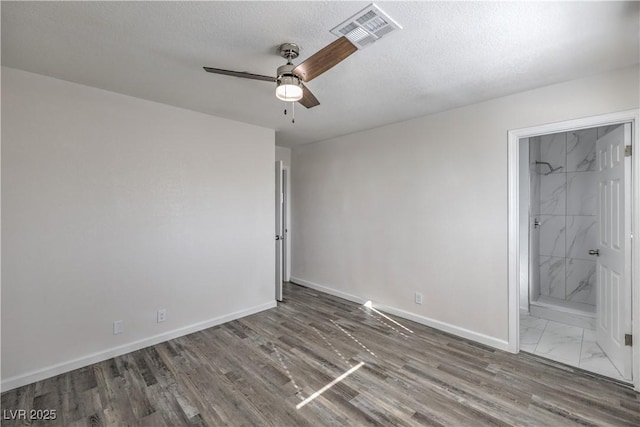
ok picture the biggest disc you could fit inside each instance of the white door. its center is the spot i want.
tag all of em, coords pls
(613, 302)
(279, 233)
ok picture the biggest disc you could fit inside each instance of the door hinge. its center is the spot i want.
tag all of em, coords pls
(627, 151)
(628, 340)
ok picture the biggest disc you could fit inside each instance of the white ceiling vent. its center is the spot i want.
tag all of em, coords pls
(366, 26)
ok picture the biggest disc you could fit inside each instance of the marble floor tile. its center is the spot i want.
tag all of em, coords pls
(567, 344)
(593, 359)
(527, 321)
(564, 330)
(589, 335)
(602, 366)
(529, 348)
(561, 342)
(530, 336)
(590, 348)
(531, 329)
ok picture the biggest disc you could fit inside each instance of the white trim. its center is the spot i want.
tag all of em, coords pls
(523, 175)
(328, 290)
(278, 229)
(50, 371)
(432, 323)
(635, 249)
(446, 327)
(513, 244)
(286, 272)
(514, 136)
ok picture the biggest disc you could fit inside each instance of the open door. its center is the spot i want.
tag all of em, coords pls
(613, 303)
(279, 227)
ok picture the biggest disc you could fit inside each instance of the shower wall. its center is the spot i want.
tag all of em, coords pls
(565, 204)
(534, 232)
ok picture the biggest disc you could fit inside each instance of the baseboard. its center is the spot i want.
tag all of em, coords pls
(446, 327)
(51, 371)
(432, 323)
(328, 290)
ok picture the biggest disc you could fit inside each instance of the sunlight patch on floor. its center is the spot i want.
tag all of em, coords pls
(402, 334)
(353, 338)
(328, 386)
(286, 370)
(332, 346)
(369, 304)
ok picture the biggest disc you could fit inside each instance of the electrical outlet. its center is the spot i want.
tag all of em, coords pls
(118, 327)
(162, 315)
(418, 298)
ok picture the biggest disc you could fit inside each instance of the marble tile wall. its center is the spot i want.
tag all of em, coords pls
(534, 236)
(564, 200)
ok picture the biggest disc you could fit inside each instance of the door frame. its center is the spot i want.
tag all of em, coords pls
(285, 222)
(279, 228)
(286, 219)
(514, 136)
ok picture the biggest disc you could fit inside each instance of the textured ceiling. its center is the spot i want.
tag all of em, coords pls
(449, 54)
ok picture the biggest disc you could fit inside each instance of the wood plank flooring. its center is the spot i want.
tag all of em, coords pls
(268, 369)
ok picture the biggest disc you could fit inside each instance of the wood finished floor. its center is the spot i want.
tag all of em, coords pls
(258, 370)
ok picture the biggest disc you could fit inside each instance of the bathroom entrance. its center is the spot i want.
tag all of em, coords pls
(575, 223)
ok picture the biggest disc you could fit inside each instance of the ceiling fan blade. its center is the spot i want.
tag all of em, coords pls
(239, 74)
(308, 99)
(324, 59)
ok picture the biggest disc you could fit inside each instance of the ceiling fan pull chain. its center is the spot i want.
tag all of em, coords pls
(293, 112)
(285, 105)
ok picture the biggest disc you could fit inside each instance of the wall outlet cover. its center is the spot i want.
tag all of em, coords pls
(118, 327)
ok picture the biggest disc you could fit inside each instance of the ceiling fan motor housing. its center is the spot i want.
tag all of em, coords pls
(286, 76)
(289, 51)
(286, 70)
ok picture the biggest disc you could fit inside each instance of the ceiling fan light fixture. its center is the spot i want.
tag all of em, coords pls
(289, 88)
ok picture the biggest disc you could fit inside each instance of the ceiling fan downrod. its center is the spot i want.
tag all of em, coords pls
(289, 51)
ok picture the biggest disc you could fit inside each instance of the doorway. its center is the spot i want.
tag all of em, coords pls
(558, 283)
(282, 247)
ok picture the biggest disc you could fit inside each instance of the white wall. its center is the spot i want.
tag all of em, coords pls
(284, 154)
(114, 207)
(422, 205)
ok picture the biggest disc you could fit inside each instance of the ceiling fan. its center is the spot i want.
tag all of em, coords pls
(290, 78)
(357, 32)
